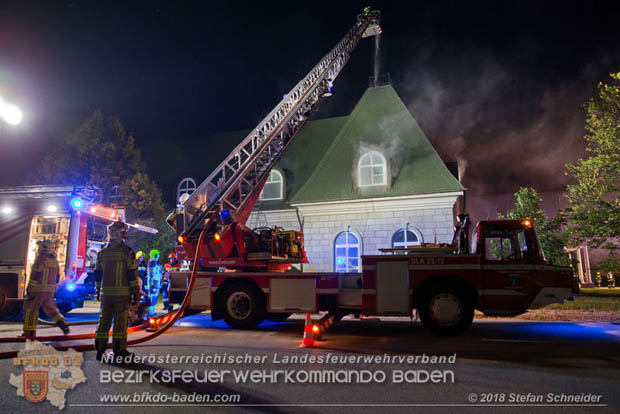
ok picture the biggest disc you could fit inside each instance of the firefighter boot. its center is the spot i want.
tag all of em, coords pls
(62, 324)
(100, 346)
(118, 352)
(28, 334)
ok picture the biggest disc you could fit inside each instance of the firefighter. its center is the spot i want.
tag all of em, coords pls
(611, 280)
(142, 270)
(155, 277)
(41, 290)
(139, 309)
(117, 283)
(173, 265)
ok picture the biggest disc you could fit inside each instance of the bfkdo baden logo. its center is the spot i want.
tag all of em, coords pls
(48, 373)
(35, 385)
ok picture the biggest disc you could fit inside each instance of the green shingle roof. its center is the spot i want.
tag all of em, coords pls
(321, 162)
(380, 122)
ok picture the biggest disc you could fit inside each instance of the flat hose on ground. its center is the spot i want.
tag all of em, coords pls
(74, 323)
(91, 347)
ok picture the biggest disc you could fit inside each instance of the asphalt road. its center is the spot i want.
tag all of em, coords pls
(498, 362)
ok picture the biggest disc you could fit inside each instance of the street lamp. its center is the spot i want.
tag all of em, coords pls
(11, 113)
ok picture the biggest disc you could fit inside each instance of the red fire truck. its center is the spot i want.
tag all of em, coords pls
(246, 274)
(69, 216)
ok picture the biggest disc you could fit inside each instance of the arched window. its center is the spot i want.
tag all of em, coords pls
(405, 238)
(347, 252)
(115, 195)
(186, 186)
(372, 169)
(273, 187)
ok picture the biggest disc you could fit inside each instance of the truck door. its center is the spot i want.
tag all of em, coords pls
(508, 272)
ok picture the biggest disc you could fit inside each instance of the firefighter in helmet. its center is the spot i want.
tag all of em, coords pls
(116, 275)
(155, 277)
(41, 290)
(142, 270)
(173, 265)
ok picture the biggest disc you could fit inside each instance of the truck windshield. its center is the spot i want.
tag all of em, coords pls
(505, 244)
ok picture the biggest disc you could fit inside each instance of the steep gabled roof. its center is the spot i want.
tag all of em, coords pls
(381, 122)
(303, 155)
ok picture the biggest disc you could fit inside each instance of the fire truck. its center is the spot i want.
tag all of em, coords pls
(247, 275)
(73, 218)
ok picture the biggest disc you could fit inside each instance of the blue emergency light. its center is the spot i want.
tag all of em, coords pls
(225, 216)
(77, 203)
(70, 286)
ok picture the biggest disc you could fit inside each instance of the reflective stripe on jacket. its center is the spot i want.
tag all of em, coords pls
(44, 274)
(117, 271)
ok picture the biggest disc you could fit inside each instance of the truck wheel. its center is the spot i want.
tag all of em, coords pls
(446, 311)
(64, 308)
(7, 309)
(242, 306)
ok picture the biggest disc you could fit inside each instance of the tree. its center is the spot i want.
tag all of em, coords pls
(595, 198)
(143, 203)
(550, 231)
(101, 153)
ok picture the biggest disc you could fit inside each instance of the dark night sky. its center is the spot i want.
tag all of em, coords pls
(497, 85)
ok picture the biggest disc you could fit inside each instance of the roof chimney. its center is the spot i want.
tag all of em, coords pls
(383, 79)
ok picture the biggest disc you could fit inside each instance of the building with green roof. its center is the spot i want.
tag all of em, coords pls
(357, 183)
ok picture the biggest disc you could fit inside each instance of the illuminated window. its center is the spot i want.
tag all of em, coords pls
(186, 186)
(347, 252)
(404, 238)
(273, 186)
(372, 169)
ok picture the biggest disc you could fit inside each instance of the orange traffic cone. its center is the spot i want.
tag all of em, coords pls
(308, 341)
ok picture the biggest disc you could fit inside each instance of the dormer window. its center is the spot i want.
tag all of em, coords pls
(372, 169)
(273, 189)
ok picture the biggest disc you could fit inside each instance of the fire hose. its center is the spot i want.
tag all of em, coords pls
(90, 347)
(74, 323)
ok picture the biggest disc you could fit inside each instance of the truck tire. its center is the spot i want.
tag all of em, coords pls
(7, 309)
(446, 310)
(242, 306)
(64, 307)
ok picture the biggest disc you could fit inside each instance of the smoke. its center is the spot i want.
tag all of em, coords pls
(504, 131)
(391, 147)
(377, 63)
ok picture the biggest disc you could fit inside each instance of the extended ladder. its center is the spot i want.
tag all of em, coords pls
(236, 183)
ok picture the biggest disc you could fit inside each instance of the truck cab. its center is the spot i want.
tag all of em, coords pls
(515, 274)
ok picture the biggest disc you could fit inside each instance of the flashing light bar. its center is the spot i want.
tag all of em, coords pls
(77, 203)
(145, 229)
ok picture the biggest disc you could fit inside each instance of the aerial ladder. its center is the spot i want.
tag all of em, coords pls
(222, 204)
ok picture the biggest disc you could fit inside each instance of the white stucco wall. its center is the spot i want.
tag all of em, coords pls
(375, 221)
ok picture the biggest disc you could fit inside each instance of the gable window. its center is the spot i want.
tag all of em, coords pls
(372, 169)
(186, 186)
(404, 238)
(347, 252)
(273, 187)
